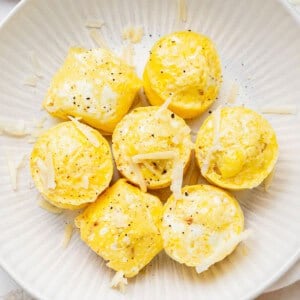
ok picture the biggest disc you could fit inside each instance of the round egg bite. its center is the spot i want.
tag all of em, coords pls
(184, 68)
(236, 148)
(71, 164)
(148, 143)
(94, 85)
(202, 227)
(122, 226)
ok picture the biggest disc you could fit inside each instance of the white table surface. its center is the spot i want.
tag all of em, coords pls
(286, 288)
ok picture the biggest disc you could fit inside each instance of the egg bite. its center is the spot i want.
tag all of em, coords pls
(202, 227)
(71, 164)
(122, 226)
(94, 85)
(236, 148)
(148, 144)
(183, 68)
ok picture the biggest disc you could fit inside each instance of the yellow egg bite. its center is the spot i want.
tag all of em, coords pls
(94, 85)
(183, 68)
(149, 143)
(71, 164)
(122, 226)
(202, 227)
(236, 148)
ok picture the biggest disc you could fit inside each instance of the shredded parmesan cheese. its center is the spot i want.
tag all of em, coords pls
(154, 155)
(163, 107)
(119, 219)
(215, 145)
(13, 167)
(222, 248)
(49, 207)
(47, 171)
(268, 181)
(85, 130)
(233, 93)
(36, 67)
(85, 182)
(68, 235)
(133, 34)
(182, 10)
(90, 23)
(14, 128)
(141, 181)
(177, 178)
(97, 38)
(128, 54)
(31, 80)
(119, 281)
(280, 110)
(40, 123)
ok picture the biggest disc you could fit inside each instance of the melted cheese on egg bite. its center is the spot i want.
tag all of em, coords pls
(202, 227)
(71, 164)
(122, 226)
(148, 143)
(94, 85)
(236, 148)
(184, 68)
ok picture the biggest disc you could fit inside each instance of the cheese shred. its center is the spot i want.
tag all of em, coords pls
(47, 171)
(224, 247)
(133, 34)
(163, 107)
(119, 281)
(154, 155)
(280, 110)
(141, 181)
(91, 23)
(68, 235)
(182, 10)
(97, 38)
(85, 130)
(14, 128)
(85, 182)
(31, 81)
(177, 178)
(14, 167)
(231, 99)
(36, 67)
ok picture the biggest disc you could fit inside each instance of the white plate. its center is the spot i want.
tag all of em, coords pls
(260, 48)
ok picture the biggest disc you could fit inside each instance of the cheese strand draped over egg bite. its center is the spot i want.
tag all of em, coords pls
(236, 148)
(148, 144)
(122, 226)
(71, 165)
(183, 68)
(94, 85)
(202, 227)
